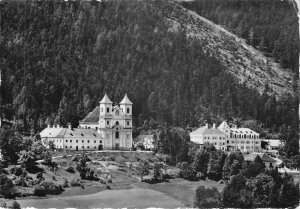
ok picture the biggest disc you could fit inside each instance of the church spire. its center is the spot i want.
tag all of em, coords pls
(126, 100)
(105, 100)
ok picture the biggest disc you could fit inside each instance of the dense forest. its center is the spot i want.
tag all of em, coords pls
(59, 58)
(269, 25)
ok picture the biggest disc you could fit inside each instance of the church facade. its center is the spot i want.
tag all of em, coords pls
(107, 127)
(113, 123)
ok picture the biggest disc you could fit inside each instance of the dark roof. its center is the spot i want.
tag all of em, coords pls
(92, 117)
(263, 156)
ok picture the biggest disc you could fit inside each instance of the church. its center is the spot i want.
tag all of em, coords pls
(107, 127)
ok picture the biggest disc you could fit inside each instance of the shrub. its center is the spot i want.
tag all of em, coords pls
(70, 169)
(6, 186)
(65, 183)
(53, 178)
(21, 182)
(39, 175)
(47, 187)
(75, 182)
(15, 205)
(18, 171)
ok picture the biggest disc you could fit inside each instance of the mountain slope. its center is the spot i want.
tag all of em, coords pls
(59, 58)
(241, 60)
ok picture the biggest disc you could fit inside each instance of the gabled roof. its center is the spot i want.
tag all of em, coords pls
(126, 100)
(208, 131)
(223, 125)
(52, 132)
(263, 156)
(106, 100)
(66, 132)
(92, 117)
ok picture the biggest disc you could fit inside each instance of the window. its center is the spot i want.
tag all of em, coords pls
(128, 136)
(76, 141)
(102, 109)
(66, 146)
(88, 147)
(70, 146)
(71, 141)
(107, 109)
(117, 134)
(82, 147)
(66, 140)
(107, 122)
(82, 141)
(204, 137)
(94, 147)
(227, 141)
(100, 141)
(128, 110)
(256, 142)
(128, 123)
(88, 141)
(94, 141)
(117, 112)
(232, 142)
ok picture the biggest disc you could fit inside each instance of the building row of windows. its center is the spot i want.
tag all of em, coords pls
(214, 138)
(117, 123)
(88, 141)
(242, 136)
(81, 147)
(117, 112)
(243, 142)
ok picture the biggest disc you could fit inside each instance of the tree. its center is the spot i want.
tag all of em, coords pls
(201, 160)
(262, 187)
(252, 169)
(11, 144)
(207, 198)
(233, 164)
(187, 171)
(237, 193)
(27, 159)
(142, 169)
(157, 171)
(215, 165)
(6, 186)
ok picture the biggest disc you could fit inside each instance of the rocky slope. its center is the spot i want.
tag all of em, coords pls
(245, 63)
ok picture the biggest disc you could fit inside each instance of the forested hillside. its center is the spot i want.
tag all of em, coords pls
(269, 25)
(59, 58)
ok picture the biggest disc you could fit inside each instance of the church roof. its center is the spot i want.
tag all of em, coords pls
(263, 156)
(92, 117)
(106, 100)
(126, 100)
(207, 131)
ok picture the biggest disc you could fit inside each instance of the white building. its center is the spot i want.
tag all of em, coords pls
(72, 138)
(106, 127)
(226, 138)
(243, 139)
(145, 140)
(268, 161)
(209, 135)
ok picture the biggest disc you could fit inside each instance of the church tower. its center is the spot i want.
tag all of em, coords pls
(105, 112)
(126, 107)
